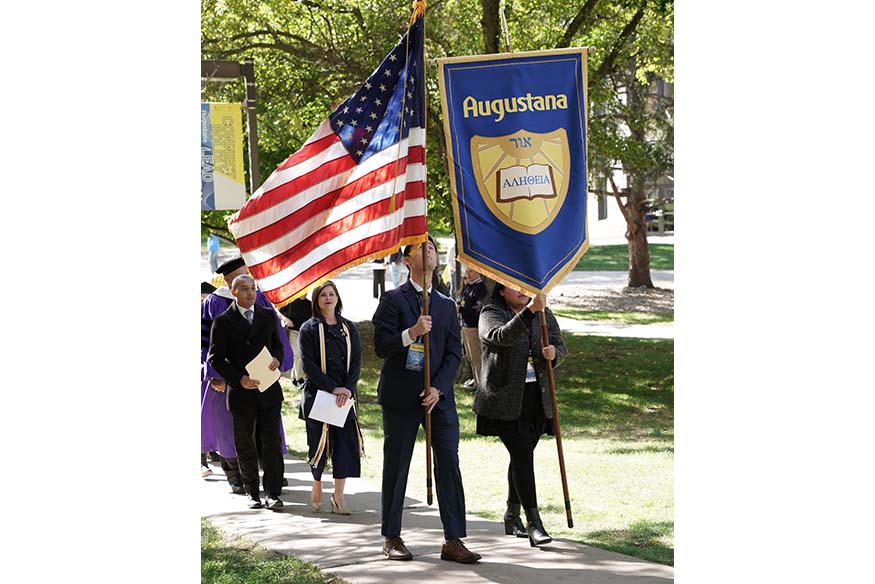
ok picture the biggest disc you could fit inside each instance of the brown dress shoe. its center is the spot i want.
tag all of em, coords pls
(455, 551)
(395, 549)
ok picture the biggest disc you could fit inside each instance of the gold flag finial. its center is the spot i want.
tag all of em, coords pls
(418, 9)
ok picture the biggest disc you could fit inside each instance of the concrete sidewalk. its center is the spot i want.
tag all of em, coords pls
(350, 546)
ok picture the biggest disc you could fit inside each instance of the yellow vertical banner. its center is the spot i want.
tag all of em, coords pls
(222, 178)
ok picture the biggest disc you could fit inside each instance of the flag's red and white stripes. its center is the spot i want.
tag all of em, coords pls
(320, 213)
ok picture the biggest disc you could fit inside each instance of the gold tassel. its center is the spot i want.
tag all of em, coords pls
(358, 430)
(418, 9)
(322, 448)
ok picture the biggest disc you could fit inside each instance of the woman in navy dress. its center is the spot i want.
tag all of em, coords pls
(331, 351)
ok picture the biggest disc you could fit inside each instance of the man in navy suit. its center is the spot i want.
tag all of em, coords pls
(237, 337)
(398, 331)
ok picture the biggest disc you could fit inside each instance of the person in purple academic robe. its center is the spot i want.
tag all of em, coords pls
(206, 290)
(216, 430)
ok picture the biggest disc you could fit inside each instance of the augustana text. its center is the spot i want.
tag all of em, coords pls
(510, 105)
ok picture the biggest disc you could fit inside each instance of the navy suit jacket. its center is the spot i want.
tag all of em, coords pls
(399, 309)
(234, 343)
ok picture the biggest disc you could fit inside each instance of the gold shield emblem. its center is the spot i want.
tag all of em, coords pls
(523, 177)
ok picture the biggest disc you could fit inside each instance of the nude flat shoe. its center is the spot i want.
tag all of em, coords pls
(316, 505)
(335, 508)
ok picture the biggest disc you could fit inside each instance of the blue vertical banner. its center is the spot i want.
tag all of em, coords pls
(515, 125)
(208, 189)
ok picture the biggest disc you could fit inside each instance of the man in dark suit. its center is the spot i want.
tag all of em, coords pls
(237, 337)
(398, 330)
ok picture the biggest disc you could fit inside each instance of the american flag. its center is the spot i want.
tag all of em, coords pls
(353, 192)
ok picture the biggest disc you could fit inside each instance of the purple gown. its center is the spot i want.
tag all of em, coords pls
(216, 432)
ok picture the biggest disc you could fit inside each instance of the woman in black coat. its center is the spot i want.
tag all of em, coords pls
(513, 396)
(338, 374)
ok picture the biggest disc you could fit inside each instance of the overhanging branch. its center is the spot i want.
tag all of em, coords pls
(608, 64)
(580, 19)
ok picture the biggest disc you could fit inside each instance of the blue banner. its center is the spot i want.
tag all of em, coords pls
(515, 126)
(208, 191)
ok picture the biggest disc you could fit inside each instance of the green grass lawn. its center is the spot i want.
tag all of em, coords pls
(224, 561)
(616, 411)
(608, 258)
(618, 317)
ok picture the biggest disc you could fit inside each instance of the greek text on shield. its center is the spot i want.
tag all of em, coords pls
(523, 177)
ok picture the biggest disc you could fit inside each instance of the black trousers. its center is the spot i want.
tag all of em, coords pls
(520, 439)
(266, 422)
(232, 471)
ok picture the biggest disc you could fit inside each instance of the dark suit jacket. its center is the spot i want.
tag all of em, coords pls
(398, 310)
(234, 343)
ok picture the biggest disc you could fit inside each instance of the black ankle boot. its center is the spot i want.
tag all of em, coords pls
(534, 527)
(512, 523)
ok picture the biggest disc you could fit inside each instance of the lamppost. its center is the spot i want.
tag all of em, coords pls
(225, 71)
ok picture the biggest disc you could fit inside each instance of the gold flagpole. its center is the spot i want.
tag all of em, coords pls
(505, 31)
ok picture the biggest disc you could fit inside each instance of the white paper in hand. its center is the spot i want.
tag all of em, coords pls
(325, 409)
(259, 368)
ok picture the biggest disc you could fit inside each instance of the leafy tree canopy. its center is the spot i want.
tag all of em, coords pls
(310, 54)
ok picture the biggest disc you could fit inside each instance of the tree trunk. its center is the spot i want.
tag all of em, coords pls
(636, 235)
(491, 26)
(635, 213)
(636, 206)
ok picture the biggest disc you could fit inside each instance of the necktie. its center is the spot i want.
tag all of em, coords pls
(248, 314)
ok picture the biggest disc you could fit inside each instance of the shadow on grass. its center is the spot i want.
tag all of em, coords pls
(608, 387)
(640, 539)
(617, 387)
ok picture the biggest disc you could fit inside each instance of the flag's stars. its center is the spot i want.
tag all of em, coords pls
(382, 87)
(410, 94)
(359, 152)
(373, 116)
(392, 57)
(353, 123)
(368, 129)
(339, 122)
(387, 72)
(378, 102)
(363, 98)
(346, 109)
(368, 85)
(364, 140)
(358, 110)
